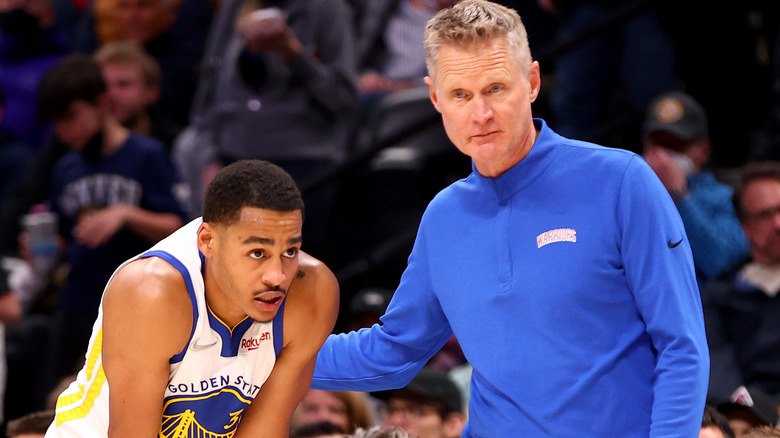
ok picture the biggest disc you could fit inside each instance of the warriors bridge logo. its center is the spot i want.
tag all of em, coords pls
(212, 415)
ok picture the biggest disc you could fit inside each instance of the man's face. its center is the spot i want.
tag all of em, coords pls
(144, 20)
(761, 205)
(484, 98)
(79, 124)
(415, 416)
(129, 94)
(251, 263)
(318, 405)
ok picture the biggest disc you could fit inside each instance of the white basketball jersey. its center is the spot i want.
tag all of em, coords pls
(211, 382)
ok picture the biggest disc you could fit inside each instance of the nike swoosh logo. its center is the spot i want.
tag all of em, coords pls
(196, 346)
(674, 244)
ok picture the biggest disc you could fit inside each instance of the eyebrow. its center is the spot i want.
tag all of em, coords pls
(267, 241)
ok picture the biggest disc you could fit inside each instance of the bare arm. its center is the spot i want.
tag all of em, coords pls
(310, 314)
(147, 317)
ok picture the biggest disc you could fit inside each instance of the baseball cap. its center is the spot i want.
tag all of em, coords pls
(433, 385)
(678, 114)
(372, 299)
(754, 400)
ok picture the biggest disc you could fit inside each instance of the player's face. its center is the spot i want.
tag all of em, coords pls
(484, 98)
(761, 204)
(251, 263)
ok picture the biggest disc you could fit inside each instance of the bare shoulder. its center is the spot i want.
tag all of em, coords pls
(149, 295)
(313, 301)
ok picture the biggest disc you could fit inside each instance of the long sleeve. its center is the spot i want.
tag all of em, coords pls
(389, 355)
(660, 273)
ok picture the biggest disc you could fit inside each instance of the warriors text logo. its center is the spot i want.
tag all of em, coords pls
(254, 343)
(556, 235)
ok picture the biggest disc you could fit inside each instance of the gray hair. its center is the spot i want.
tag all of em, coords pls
(473, 21)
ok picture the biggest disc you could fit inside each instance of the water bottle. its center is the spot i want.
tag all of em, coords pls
(41, 228)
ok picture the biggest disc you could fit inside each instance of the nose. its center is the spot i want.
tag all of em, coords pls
(274, 275)
(482, 111)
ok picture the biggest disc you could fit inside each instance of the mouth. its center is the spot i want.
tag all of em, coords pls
(485, 135)
(269, 300)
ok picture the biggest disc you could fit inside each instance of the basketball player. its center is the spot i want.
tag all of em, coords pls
(224, 312)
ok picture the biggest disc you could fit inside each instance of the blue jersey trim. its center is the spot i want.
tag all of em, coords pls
(278, 329)
(173, 261)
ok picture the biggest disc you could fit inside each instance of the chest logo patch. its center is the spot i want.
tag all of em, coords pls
(556, 235)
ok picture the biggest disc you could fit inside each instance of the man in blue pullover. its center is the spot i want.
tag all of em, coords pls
(562, 267)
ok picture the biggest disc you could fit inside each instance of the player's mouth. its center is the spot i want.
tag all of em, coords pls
(269, 301)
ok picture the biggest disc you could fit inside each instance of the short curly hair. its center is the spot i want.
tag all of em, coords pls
(249, 183)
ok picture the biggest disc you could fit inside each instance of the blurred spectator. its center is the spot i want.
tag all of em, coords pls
(764, 432)
(637, 53)
(714, 424)
(345, 409)
(389, 48)
(113, 192)
(171, 31)
(430, 406)
(320, 429)
(29, 45)
(742, 309)
(366, 306)
(381, 432)
(32, 425)
(133, 83)
(749, 408)
(279, 87)
(677, 146)
(14, 155)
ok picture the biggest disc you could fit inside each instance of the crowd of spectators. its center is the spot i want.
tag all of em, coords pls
(115, 115)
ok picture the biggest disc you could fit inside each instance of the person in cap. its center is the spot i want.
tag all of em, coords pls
(366, 306)
(430, 406)
(749, 408)
(677, 147)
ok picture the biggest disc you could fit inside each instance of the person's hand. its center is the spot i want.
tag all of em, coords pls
(670, 174)
(95, 229)
(268, 32)
(372, 82)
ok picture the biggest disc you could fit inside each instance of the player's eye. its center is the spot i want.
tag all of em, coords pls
(257, 254)
(291, 253)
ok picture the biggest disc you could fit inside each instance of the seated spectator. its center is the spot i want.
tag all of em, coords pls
(677, 146)
(33, 425)
(366, 306)
(29, 46)
(280, 88)
(113, 192)
(742, 308)
(749, 408)
(715, 425)
(430, 406)
(381, 432)
(320, 429)
(347, 410)
(764, 432)
(390, 53)
(133, 83)
(14, 155)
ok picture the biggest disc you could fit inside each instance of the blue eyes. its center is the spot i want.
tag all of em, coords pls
(495, 88)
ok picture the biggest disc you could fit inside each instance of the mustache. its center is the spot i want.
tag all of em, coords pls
(271, 289)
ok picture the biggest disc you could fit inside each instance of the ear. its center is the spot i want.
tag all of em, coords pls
(535, 79)
(454, 423)
(432, 90)
(152, 94)
(207, 237)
